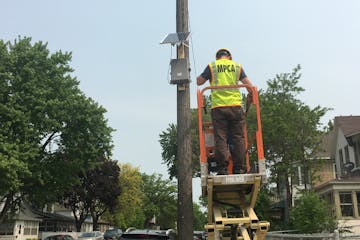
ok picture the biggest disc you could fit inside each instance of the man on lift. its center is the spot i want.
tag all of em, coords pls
(226, 111)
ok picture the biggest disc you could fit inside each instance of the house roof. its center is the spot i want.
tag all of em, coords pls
(25, 213)
(58, 217)
(350, 125)
(52, 216)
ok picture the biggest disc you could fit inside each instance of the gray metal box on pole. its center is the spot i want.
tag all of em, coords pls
(180, 71)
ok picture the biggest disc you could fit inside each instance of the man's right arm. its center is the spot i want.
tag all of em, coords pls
(200, 80)
(246, 80)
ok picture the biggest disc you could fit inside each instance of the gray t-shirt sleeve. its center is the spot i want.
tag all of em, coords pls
(206, 73)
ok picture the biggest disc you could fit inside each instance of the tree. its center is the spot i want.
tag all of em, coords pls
(103, 190)
(311, 214)
(145, 200)
(159, 201)
(290, 129)
(96, 193)
(74, 200)
(168, 142)
(266, 209)
(130, 203)
(28, 76)
(200, 218)
(81, 146)
(263, 204)
(49, 130)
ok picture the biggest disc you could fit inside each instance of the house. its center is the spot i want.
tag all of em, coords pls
(24, 226)
(324, 159)
(31, 224)
(339, 179)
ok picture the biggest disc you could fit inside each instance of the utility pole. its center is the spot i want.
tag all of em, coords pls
(184, 166)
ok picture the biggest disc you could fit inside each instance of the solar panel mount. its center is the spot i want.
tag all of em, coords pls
(175, 38)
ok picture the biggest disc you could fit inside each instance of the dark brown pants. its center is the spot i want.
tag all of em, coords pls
(228, 128)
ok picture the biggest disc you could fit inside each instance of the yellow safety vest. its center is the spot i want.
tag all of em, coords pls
(225, 72)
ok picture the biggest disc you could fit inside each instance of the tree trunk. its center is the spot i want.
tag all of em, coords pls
(78, 220)
(11, 203)
(5, 208)
(283, 187)
(95, 219)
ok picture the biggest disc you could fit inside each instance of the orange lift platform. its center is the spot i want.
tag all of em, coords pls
(231, 198)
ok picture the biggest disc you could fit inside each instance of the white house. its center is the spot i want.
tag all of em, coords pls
(33, 224)
(24, 226)
(339, 181)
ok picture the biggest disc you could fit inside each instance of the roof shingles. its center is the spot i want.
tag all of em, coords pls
(350, 125)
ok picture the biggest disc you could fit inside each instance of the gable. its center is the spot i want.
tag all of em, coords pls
(350, 125)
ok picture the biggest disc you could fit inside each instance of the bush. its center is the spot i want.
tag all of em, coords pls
(312, 214)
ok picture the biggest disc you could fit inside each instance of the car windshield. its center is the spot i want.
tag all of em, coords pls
(143, 236)
(59, 237)
(87, 234)
(110, 231)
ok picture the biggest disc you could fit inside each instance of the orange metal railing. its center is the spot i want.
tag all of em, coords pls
(258, 133)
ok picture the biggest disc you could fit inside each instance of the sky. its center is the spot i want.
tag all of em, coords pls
(119, 62)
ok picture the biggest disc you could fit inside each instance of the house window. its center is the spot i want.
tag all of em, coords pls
(357, 153)
(347, 156)
(298, 177)
(341, 157)
(346, 204)
(335, 170)
(46, 226)
(30, 228)
(358, 202)
(6, 229)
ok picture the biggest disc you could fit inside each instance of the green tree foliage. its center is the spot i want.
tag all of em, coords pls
(290, 130)
(130, 203)
(96, 193)
(263, 204)
(266, 209)
(82, 144)
(199, 218)
(49, 130)
(145, 200)
(311, 214)
(74, 199)
(168, 142)
(103, 190)
(160, 201)
(148, 200)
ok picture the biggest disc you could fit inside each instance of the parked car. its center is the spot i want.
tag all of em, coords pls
(149, 234)
(60, 237)
(199, 235)
(113, 234)
(96, 235)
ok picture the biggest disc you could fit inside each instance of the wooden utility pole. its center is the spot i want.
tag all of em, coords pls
(184, 169)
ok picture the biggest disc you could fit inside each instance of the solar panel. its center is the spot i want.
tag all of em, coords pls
(174, 38)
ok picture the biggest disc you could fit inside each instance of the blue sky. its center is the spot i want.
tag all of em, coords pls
(119, 62)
